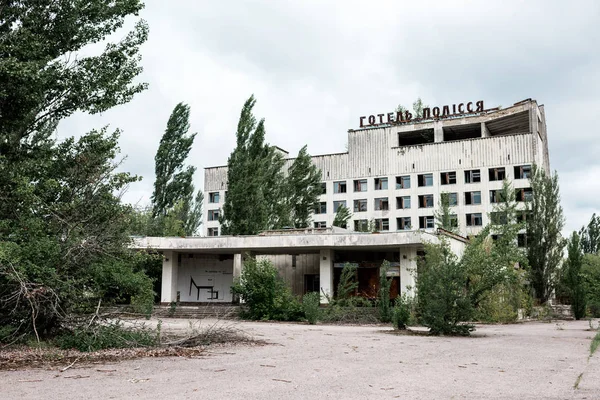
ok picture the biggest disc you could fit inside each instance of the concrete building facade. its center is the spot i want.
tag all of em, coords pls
(393, 174)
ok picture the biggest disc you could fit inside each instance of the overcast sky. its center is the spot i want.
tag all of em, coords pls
(316, 66)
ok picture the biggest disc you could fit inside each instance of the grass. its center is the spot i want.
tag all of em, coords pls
(595, 343)
(576, 385)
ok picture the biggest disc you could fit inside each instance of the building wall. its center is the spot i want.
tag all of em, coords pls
(294, 272)
(375, 153)
(206, 270)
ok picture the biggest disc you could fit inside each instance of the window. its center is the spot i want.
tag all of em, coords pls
(320, 224)
(453, 199)
(453, 220)
(426, 201)
(522, 240)
(474, 219)
(497, 174)
(361, 225)
(403, 223)
(339, 187)
(382, 224)
(381, 183)
(213, 215)
(311, 283)
(382, 204)
(213, 197)
(523, 216)
(360, 185)
(426, 222)
(338, 204)
(323, 188)
(448, 178)
(321, 208)
(524, 194)
(472, 176)
(403, 202)
(522, 171)
(213, 232)
(472, 198)
(360, 205)
(425, 180)
(403, 182)
(498, 218)
(496, 196)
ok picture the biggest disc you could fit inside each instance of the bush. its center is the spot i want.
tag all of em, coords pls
(311, 305)
(401, 312)
(443, 302)
(384, 293)
(347, 285)
(265, 295)
(107, 336)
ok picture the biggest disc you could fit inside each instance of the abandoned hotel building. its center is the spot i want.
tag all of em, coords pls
(393, 173)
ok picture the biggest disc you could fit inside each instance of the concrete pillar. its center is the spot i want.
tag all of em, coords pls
(326, 274)
(438, 132)
(484, 130)
(168, 292)
(237, 265)
(408, 270)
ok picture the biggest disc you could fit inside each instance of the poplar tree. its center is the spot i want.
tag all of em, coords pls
(544, 242)
(304, 182)
(590, 236)
(573, 277)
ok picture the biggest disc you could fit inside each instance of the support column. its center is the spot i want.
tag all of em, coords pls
(237, 266)
(438, 132)
(326, 274)
(484, 130)
(408, 270)
(168, 292)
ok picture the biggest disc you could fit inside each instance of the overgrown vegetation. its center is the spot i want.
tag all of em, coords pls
(311, 306)
(383, 294)
(401, 313)
(107, 335)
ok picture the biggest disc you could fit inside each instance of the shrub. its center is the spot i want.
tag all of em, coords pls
(106, 336)
(384, 293)
(401, 312)
(310, 304)
(347, 285)
(265, 294)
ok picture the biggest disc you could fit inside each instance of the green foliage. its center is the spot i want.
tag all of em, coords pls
(590, 236)
(444, 217)
(417, 108)
(304, 183)
(595, 343)
(401, 313)
(108, 335)
(573, 278)
(544, 242)
(265, 295)
(443, 302)
(347, 285)
(383, 294)
(311, 306)
(591, 278)
(342, 216)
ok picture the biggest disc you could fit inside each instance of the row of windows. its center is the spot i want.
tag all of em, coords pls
(423, 180)
(424, 201)
(405, 223)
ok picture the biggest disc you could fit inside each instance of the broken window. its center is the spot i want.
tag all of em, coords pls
(402, 202)
(381, 183)
(472, 176)
(496, 196)
(213, 215)
(497, 174)
(213, 232)
(339, 187)
(213, 197)
(360, 185)
(425, 179)
(321, 208)
(382, 204)
(323, 188)
(320, 224)
(426, 201)
(382, 224)
(426, 222)
(338, 204)
(522, 171)
(524, 194)
(403, 223)
(360, 205)
(472, 198)
(448, 178)
(452, 199)
(403, 182)
(361, 225)
(474, 219)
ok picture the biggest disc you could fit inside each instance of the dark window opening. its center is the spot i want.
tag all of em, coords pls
(522, 171)
(497, 174)
(323, 188)
(425, 180)
(311, 283)
(472, 176)
(426, 222)
(412, 138)
(339, 187)
(474, 219)
(472, 198)
(448, 178)
(360, 185)
(511, 124)
(382, 204)
(360, 205)
(426, 201)
(402, 202)
(382, 224)
(524, 194)
(403, 223)
(403, 182)
(461, 132)
(381, 183)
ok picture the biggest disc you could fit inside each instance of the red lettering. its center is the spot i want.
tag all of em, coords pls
(445, 111)
(461, 109)
(408, 116)
(470, 107)
(436, 112)
(453, 108)
(380, 118)
(389, 116)
(371, 120)
(361, 121)
(426, 113)
(399, 117)
(479, 106)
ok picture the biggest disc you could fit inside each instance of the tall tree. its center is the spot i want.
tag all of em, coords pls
(544, 242)
(590, 236)
(173, 182)
(573, 278)
(444, 217)
(304, 182)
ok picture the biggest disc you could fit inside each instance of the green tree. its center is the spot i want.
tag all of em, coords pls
(590, 236)
(383, 293)
(417, 108)
(573, 277)
(444, 217)
(304, 182)
(591, 277)
(173, 185)
(342, 216)
(544, 242)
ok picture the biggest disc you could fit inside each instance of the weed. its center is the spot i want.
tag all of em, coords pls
(310, 304)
